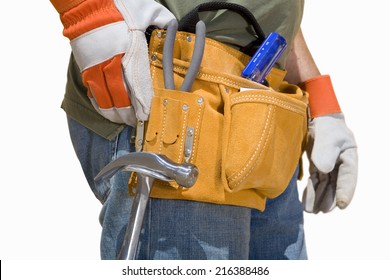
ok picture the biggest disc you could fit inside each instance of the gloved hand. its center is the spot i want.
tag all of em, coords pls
(109, 45)
(333, 159)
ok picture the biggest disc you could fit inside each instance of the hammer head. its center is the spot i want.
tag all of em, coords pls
(186, 175)
(154, 166)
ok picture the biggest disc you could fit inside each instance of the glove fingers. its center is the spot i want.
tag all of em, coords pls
(107, 91)
(333, 152)
(320, 193)
(308, 196)
(328, 201)
(324, 161)
(320, 190)
(118, 92)
(115, 83)
(347, 177)
(94, 80)
(137, 75)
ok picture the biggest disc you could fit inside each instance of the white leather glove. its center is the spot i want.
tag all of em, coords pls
(333, 159)
(110, 48)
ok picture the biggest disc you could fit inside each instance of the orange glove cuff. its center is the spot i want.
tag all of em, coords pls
(322, 98)
(65, 5)
(81, 16)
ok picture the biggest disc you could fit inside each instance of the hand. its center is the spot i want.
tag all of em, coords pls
(333, 159)
(110, 48)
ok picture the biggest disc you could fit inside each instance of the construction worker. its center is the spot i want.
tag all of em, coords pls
(109, 87)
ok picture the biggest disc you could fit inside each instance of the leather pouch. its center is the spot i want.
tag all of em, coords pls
(264, 134)
(245, 138)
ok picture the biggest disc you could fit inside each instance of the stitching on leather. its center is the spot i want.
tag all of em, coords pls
(231, 52)
(183, 129)
(273, 100)
(183, 70)
(163, 128)
(196, 133)
(256, 155)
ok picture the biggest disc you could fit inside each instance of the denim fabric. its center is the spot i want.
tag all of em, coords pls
(176, 229)
(277, 233)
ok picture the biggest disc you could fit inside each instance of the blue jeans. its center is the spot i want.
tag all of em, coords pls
(175, 229)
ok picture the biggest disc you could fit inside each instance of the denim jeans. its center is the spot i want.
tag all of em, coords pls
(176, 229)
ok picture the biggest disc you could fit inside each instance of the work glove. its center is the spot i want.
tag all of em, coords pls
(109, 45)
(333, 164)
(331, 150)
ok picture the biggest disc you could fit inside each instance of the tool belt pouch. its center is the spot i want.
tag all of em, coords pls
(241, 141)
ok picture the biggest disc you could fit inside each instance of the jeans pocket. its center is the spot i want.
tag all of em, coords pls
(94, 152)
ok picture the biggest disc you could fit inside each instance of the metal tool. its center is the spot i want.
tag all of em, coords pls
(196, 59)
(148, 167)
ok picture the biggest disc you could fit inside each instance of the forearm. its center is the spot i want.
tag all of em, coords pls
(300, 63)
(303, 71)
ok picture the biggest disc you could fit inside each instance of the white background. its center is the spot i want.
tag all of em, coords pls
(46, 208)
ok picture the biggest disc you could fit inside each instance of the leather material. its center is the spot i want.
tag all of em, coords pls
(245, 143)
(333, 174)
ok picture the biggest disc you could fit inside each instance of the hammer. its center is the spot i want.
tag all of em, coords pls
(148, 167)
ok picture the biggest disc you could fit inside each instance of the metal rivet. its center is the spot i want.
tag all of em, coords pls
(153, 57)
(189, 38)
(159, 34)
(165, 102)
(190, 133)
(187, 152)
(200, 100)
(185, 107)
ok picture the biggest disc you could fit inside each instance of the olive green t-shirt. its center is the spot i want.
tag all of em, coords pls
(282, 16)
